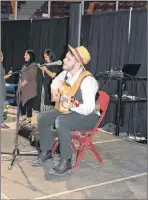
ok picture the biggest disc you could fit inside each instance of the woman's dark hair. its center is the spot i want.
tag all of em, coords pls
(32, 57)
(51, 55)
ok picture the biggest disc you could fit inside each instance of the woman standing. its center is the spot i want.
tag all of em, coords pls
(28, 85)
(46, 76)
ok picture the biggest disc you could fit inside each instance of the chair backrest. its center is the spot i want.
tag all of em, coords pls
(103, 101)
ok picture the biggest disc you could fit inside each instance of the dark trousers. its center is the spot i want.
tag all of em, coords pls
(63, 124)
(27, 108)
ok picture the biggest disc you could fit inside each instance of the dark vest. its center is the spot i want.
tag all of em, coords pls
(78, 94)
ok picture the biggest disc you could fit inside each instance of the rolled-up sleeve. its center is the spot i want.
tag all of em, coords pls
(57, 80)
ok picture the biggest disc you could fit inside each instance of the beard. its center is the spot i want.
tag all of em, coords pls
(67, 68)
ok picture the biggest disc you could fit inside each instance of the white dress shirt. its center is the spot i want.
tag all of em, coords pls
(88, 87)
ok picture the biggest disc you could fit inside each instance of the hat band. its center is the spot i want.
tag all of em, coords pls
(79, 56)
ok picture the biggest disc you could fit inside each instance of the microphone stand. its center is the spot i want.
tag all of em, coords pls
(16, 151)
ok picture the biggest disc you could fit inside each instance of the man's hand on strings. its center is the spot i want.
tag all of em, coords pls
(55, 95)
(67, 102)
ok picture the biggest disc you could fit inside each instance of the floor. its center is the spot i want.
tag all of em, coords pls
(123, 175)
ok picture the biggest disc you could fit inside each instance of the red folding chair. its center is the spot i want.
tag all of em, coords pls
(85, 137)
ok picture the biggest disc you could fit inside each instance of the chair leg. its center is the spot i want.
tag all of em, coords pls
(74, 147)
(95, 152)
(55, 146)
(80, 155)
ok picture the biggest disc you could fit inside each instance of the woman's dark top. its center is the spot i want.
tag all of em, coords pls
(46, 82)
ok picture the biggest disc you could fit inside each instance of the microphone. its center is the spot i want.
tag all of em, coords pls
(59, 62)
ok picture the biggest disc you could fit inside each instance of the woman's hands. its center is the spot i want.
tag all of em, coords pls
(24, 83)
(43, 68)
(8, 75)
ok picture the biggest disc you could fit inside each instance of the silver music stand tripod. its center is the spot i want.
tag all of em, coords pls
(16, 151)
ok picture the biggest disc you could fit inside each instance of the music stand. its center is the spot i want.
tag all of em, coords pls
(16, 150)
(129, 70)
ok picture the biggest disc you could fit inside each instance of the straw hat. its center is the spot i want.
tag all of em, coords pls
(81, 54)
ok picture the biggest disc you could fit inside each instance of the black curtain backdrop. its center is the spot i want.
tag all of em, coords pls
(18, 36)
(14, 41)
(106, 37)
(52, 34)
(137, 54)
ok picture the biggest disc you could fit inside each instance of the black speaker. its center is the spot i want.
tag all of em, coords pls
(75, 18)
(30, 132)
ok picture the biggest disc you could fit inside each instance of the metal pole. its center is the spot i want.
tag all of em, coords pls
(79, 25)
(82, 5)
(75, 17)
(15, 16)
(117, 5)
(49, 8)
(129, 26)
(1, 99)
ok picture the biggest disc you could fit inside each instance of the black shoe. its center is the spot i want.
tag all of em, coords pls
(43, 156)
(4, 126)
(62, 167)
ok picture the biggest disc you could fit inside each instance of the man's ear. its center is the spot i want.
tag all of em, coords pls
(78, 64)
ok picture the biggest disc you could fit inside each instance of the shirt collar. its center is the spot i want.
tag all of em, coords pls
(71, 79)
(69, 75)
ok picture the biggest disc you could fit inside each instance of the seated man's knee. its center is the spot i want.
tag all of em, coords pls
(59, 121)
